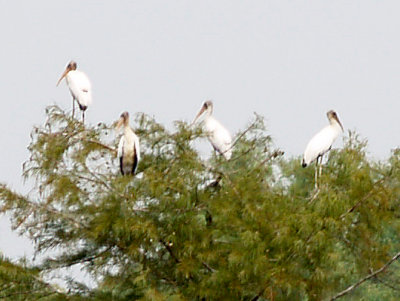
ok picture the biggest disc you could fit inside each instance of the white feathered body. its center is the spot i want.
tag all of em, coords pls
(80, 87)
(321, 142)
(128, 151)
(219, 136)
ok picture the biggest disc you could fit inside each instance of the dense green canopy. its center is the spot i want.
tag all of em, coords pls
(186, 228)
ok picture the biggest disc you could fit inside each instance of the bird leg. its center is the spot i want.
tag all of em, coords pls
(73, 107)
(83, 116)
(316, 189)
(318, 170)
(316, 174)
(320, 166)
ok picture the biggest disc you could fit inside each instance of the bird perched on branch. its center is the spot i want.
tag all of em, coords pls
(128, 147)
(80, 87)
(322, 143)
(218, 135)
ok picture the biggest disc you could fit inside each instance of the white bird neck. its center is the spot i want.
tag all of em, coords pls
(208, 113)
(127, 129)
(336, 125)
(205, 117)
(68, 76)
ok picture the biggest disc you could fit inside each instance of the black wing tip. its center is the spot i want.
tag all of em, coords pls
(120, 166)
(135, 163)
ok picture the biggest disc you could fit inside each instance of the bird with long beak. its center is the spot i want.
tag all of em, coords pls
(321, 143)
(128, 147)
(80, 87)
(218, 135)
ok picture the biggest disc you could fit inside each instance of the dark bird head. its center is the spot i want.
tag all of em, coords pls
(123, 120)
(207, 108)
(71, 66)
(332, 116)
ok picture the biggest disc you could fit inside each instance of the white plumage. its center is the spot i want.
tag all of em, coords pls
(80, 87)
(323, 140)
(218, 135)
(128, 147)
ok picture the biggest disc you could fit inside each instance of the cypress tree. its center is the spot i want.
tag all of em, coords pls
(187, 228)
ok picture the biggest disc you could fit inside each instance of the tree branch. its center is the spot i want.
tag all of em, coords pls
(373, 274)
(210, 269)
(251, 126)
(391, 286)
(364, 198)
(29, 293)
(76, 261)
(255, 298)
(113, 150)
(169, 249)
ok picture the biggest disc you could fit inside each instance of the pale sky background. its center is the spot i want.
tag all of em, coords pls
(290, 61)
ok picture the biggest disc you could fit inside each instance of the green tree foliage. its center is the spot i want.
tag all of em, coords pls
(185, 228)
(20, 282)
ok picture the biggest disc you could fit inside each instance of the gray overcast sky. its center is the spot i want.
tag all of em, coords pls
(290, 61)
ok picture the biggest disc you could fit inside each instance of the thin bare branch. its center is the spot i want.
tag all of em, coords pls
(244, 132)
(113, 150)
(271, 157)
(373, 274)
(368, 195)
(169, 249)
(81, 260)
(210, 269)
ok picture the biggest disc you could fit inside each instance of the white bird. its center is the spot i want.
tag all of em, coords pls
(322, 142)
(80, 87)
(218, 135)
(128, 147)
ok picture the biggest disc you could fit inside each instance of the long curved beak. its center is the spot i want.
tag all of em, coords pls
(337, 119)
(340, 125)
(119, 123)
(62, 76)
(198, 115)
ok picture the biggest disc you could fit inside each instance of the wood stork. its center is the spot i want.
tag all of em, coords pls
(80, 87)
(322, 143)
(128, 147)
(218, 135)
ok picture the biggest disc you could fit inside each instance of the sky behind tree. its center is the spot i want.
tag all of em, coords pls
(288, 61)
